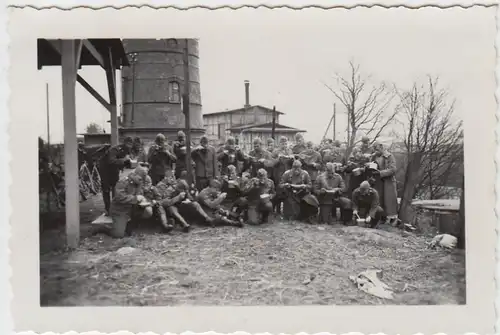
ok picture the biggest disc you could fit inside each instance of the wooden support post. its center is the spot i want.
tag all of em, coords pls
(68, 58)
(186, 111)
(111, 78)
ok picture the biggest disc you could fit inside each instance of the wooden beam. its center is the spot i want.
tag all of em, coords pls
(57, 46)
(93, 51)
(111, 79)
(93, 92)
(78, 53)
(68, 62)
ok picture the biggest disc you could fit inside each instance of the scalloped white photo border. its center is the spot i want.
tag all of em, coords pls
(19, 297)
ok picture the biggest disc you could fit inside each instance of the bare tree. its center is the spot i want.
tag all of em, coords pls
(432, 140)
(366, 106)
(94, 128)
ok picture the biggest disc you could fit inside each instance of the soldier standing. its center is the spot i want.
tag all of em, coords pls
(116, 159)
(138, 153)
(230, 155)
(282, 159)
(205, 160)
(259, 157)
(385, 181)
(180, 152)
(311, 161)
(359, 157)
(160, 158)
(299, 144)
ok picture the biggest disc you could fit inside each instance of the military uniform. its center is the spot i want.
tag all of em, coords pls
(311, 161)
(260, 208)
(210, 201)
(298, 148)
(180, 152)
(161, 160)
(255, 157)
(110, 166)
(206, 167)
(228, 157)
(235, 188)
(328, 202)
(368, 205)
(299, 204)
(124, 204)
(282, 159)
(173, 206)
(358, 159)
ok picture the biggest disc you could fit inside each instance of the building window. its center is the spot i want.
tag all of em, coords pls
(174, 92)
(172, 43)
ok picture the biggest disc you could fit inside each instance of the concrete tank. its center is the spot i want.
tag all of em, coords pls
(152, 89)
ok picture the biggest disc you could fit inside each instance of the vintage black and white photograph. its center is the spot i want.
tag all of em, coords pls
(315, 159)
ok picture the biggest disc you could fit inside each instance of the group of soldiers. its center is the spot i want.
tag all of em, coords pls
(297, 181)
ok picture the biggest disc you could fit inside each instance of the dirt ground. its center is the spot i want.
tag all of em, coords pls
(266, 265)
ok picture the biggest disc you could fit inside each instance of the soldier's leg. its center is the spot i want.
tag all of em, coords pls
(345, 209)
(173, 211)
(162, 218)
(325, 211)
(378, 218)
(265, 209)
(288, 208)
(106, 194)
(196, 207)
(122, 224)
(253, 215)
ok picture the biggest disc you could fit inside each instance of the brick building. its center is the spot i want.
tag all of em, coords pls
(246, 123)
(152, 87)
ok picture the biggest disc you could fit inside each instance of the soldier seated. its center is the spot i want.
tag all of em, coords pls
(210, 199)
(260, 193)
(299, 204)
(366, 205)
(234, 187)
(169, 197)
(129, 205)
(329, 188)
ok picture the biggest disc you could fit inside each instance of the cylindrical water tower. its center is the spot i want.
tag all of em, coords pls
(152, 89)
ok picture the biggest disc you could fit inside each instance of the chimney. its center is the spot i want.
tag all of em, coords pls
(247, 94)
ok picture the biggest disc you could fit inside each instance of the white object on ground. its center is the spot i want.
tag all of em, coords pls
(446, 241)
(126, 250)
(369, 282)
(103, 220)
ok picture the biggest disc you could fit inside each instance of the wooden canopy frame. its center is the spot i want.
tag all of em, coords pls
(71, 55)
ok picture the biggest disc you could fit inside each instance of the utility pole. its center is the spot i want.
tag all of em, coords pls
(47, 195)
(48, 117)
(334, 121)
(185, 110)
(273, 130)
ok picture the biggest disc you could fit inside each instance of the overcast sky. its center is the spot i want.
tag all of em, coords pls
(287, 61)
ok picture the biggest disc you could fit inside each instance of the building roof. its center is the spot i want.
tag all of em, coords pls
(48, 56)
(265, 127)
(95, 134)
(242, 109)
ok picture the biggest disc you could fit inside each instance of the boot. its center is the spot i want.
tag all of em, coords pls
(265, 218)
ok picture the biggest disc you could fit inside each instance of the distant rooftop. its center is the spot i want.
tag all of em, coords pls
(242, 109)
(266, 127)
